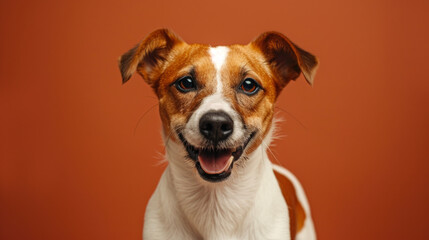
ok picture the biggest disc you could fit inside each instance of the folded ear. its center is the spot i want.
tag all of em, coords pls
(286, 59)
(148, 56)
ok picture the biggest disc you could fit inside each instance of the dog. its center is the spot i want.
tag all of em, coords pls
(217, 110)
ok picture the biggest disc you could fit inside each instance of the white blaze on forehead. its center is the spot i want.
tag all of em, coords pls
(214, 102)
(218, 55)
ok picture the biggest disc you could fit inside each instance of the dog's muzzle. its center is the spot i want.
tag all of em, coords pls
(214, 163)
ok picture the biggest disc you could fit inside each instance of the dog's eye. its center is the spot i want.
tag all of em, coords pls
(185, 84)
(249, 86)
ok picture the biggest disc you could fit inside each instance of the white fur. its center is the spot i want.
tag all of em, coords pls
(218, 55)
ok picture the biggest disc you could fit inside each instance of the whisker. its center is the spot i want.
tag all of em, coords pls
(162, 161)
(293, 117)
(167, 140)
(142, 116)
(269, 149)
(153, 97)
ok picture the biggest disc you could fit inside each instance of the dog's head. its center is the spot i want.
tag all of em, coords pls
(217, 102)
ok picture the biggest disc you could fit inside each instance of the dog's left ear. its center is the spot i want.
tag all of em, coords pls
(286, 59)
(148, 56)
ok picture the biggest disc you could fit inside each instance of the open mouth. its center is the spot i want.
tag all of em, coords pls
(214, 165)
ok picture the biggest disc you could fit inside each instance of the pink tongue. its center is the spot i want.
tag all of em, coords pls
(215, 163)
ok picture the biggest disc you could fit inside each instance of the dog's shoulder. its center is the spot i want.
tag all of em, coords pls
(295, 198)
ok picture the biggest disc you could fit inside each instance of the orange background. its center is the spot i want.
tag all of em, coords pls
(80, 161)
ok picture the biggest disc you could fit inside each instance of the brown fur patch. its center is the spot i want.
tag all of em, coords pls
(296, 211)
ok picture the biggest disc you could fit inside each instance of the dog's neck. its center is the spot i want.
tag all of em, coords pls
(219, 209)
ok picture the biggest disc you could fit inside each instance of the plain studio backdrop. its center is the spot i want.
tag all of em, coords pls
(80, 153)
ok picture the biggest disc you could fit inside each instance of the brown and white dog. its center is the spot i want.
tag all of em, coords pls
(217, 106)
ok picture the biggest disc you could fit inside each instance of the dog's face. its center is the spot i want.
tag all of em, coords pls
(217, 102)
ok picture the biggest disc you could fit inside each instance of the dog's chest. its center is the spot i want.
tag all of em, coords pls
(248, 209)
(218, 216)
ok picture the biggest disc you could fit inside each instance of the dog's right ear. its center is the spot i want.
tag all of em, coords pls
(148, 56)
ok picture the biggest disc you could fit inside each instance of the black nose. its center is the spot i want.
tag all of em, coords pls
(216, 126)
